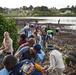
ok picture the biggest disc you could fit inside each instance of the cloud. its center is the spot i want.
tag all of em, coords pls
(48, 3)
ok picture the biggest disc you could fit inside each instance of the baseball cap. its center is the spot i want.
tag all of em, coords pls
(37, 47)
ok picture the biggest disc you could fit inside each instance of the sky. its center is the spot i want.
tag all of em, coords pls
(34, 3)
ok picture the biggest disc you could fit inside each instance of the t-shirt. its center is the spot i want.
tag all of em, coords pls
(22, 42)
(4, 71)
(40, 56)
(8, 42)
(26, 53)
(58, 28)
(26, 27)
(43, 26)
(49, 31)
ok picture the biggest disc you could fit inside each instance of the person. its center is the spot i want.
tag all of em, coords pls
(22, 39)
(50, 35)
(37, 28)
(44, 37)
(12, 67)
(30, 42)
(36, 36)
(43, 27)
(36, 21)
(31, 27)
(70, 61)
(29, 52)
(7, 45)
(26, 29)
(56, 62)
(9, 62)
(57, 30)
(58, 21)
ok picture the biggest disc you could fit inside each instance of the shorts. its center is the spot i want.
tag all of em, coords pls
(44, 37)
(57, 30)
(49, 37)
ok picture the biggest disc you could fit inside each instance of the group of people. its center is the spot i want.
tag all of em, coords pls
(29, 56)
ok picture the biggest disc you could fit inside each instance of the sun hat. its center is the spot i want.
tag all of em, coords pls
(37, 47)
(50, 47)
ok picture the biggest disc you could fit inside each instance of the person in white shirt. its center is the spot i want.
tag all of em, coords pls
(7, 45)
(56, 62)
(58, 29)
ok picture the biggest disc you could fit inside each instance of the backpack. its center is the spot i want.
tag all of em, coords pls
(17, 69)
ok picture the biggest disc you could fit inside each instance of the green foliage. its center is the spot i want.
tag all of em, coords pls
(15, 15)
(1, 10)
(10, 26)
(41, 11)
(30, 7)
(37, 11)
(64, 9)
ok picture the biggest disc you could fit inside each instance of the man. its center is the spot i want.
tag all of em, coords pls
(56, 62)
(7, 44)
(29, 52)
(36, 36)
(50, 35)
(30, 43)
(9, 63)
(71, 59)
(11, 67)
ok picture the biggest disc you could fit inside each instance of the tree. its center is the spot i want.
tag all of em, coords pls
(1, 10)
(54, 10)
(10, 26)
(30, 7)
(41, 11)
(68, 6)
(24, 8)
(75, 9)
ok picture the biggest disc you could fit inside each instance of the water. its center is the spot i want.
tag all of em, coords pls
(63, 20)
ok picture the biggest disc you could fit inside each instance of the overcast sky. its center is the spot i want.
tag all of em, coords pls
(48, 3)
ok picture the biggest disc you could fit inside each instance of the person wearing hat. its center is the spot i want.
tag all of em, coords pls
(28, 52)
(56, 62)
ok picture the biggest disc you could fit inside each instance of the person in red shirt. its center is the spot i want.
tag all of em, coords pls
(22, 39)
(37, 28)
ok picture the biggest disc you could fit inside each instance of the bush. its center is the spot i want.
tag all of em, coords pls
(8, 24)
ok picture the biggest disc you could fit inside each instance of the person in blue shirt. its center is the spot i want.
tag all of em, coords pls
(4, 71)
(29, 52)
(12, 67)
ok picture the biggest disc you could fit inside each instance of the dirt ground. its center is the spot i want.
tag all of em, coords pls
(65, 41)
